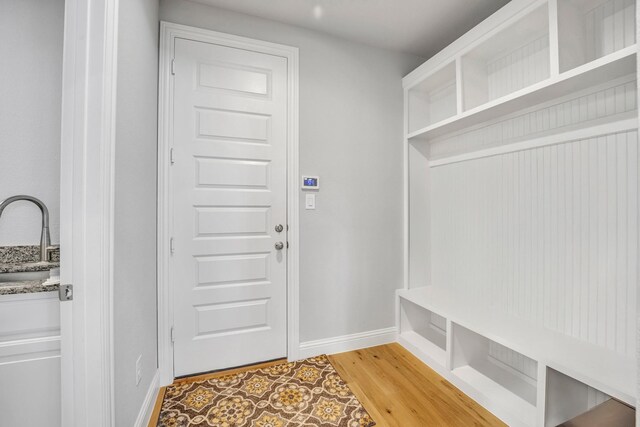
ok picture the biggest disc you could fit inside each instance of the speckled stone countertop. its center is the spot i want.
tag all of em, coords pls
(17, 259)
(27, 287)
(8, 267)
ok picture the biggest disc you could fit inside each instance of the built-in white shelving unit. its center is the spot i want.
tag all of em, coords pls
(519, 64)
(521, 199)
(510, 394)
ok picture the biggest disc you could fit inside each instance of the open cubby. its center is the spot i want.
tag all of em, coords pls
(424, 330)
(473, 364)
(568, 398)
(433, 99)
(591, 29)
(512, 59)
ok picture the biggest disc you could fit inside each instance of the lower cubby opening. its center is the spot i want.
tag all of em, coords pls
(498, 383)
(424, 330)
(572, 403)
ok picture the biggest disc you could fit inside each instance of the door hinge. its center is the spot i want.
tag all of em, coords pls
(171, 158)
(173, 67)
(171, 246)
(173, 336)
(65, 292)
(287, 245)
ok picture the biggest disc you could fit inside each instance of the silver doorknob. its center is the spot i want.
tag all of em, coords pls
(279, 245)
(279, 228)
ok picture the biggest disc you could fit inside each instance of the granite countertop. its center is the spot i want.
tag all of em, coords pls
(10, 267)
(27, 287)
(19, 259)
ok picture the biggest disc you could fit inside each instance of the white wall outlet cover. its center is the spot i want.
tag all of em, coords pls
(310, 201)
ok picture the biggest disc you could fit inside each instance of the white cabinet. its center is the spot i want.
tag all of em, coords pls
(30, 359)
(527, 375)
(526, 54)
(521, 226)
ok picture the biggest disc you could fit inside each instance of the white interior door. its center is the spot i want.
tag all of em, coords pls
(228, 190)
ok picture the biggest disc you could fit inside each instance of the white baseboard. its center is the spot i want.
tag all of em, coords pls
(347, 342)
(149, 401)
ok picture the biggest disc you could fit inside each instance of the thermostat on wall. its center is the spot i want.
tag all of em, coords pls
(310, 183)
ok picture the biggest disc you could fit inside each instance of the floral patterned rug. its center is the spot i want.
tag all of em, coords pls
(305, 393)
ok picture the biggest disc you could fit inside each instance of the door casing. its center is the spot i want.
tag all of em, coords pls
(86, 201)
(168, 33)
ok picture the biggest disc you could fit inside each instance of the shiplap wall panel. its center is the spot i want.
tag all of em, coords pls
(518, 69)
(514, 360)
(606, 102)
(438, 321)
(610, 26)
(442, 102)
(548, 234)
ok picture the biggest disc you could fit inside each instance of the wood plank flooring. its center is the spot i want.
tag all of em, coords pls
(397, 389)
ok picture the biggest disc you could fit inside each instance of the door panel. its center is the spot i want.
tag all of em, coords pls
(228, 194)
(230, 124)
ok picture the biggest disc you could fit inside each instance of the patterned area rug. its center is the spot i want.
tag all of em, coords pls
(305, 393)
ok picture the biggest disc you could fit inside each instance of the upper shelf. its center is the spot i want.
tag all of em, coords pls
(540, 52)
(610, 67)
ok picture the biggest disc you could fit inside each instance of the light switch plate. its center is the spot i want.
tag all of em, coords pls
(310, 201)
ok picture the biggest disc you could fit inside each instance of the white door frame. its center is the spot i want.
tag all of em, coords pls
(168, 33)
(86, 210)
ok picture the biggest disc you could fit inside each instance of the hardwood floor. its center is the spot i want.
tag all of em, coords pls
(399, 390)
(396, 388)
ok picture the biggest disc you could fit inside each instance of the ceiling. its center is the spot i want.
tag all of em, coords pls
(419, 27)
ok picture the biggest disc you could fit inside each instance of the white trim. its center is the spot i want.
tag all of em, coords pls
(609, 84)
(348, 342)
(29, 349)
(406, 242)
(293, 207)
(144, 416)
(554, 39)
(87, 150)
(168, 33)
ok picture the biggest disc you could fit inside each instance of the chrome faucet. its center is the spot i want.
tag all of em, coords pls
(45, 237)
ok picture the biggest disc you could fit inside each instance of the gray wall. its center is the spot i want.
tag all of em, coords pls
(350, 135)
(135, 205)
(30, 107)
